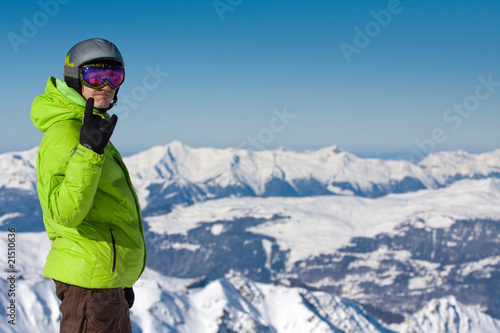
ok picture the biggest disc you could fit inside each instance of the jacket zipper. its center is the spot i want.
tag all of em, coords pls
(114, 247)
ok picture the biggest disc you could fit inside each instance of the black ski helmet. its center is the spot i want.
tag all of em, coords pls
(94, 50)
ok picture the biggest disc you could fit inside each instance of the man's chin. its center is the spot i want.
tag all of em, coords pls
(101, 103)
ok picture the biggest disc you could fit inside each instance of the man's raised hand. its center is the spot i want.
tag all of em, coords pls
(96, 131)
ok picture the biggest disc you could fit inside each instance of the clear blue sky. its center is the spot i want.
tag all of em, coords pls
(373, 77)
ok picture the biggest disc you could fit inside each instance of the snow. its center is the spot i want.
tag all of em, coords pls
(306, 226)
(176, 162)
(186, 246)
(217, 229)
(337, 219)
(166, 304)
(482, 268)
(445, 165)
(7, 216)
(17, 170)
(34, 295)
(210, 168)
(267, 245)
(245, 306)
(448, 315)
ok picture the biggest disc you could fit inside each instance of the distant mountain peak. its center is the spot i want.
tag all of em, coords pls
(319, 223)
(177, 173)
(448, 315)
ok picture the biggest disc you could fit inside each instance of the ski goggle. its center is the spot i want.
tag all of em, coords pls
(97, 76)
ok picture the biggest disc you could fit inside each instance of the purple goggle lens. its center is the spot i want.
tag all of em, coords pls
(97, 76)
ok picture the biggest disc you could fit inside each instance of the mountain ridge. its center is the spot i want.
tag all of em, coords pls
(389, 235)
(177, 174)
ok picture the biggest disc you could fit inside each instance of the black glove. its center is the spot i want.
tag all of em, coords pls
(96, 131)
(129, 296)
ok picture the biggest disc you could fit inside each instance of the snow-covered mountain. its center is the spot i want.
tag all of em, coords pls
(18, 197)
(238, 304)
(232, 233)
(448, 315)
(408, 247)
(173, 174)
(233, 304)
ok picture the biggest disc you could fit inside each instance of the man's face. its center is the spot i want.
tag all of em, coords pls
(102, 97)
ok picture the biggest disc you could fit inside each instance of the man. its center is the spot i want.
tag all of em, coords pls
(90, 209)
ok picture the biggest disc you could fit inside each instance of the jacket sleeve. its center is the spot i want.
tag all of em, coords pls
(68, 183)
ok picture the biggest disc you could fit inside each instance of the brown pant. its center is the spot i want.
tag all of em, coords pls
(92, 310)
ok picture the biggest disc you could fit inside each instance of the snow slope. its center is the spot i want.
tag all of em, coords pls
(448, 315)
(164, 304)
(17, 170)
(361, 230)
(240, 305)
(445, 167)
(409, 247)
(314, 225)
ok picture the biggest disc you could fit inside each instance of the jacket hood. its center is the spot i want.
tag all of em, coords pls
(59, 102)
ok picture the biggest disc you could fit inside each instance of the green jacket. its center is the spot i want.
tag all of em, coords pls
(90, 208)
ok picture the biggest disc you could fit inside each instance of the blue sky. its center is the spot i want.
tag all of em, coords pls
(372, 77)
